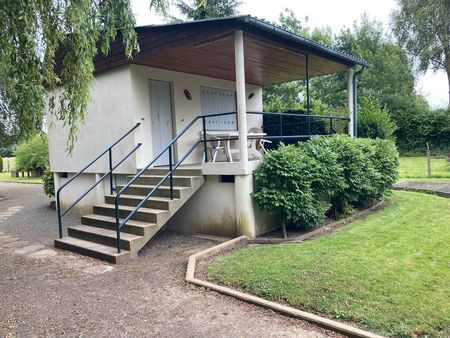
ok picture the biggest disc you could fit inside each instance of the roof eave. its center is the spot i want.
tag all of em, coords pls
(320, 48)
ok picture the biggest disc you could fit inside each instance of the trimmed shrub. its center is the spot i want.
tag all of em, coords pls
(326, 174)
(284, 186)
(48, 183)
(385, 161)
(33, 154)
(358, 173)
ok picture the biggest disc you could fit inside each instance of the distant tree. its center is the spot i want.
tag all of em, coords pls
(283, 97)
(390, 79)
(33, 154)
(423, 28)
(31, 33)
(7, 152)
(373, 120)
(206, 9)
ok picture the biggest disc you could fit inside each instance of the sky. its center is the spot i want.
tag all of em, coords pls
(334, 13)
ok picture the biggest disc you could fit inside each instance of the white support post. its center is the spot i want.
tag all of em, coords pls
(350, 101)
(241, 97)
(100, 189)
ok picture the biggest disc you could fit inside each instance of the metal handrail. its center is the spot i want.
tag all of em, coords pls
(301, 115)
(109, 173)
(173, 167)
(119, 224)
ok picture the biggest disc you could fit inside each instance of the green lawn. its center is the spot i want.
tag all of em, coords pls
(389, 272)
(6, 177)
(415, 168)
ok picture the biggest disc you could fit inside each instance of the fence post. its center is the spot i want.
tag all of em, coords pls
(428, 161)
(281, 124)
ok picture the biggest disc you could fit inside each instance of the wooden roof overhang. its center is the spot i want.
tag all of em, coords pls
(272, 55)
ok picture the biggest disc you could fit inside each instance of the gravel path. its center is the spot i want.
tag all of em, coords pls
(46, 292)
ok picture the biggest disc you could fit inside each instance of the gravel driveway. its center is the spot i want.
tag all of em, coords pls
(71, 295)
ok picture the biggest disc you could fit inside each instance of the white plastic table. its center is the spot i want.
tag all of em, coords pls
(234, 134)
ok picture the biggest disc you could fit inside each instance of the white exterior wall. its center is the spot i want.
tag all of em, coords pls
(120, 99)
(184, 111)
(212, 211)
(109, 116)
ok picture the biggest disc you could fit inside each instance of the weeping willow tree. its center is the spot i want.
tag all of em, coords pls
(31, 34)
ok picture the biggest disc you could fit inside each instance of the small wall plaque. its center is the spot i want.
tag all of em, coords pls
(187, 94)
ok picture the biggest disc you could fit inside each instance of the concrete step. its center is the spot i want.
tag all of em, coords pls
(197, 171)
(179, 181)
(95, 250)
(163, 203)
(109, 222)
(162, 191)
(104, 236)
(143, 214)
(96, 235)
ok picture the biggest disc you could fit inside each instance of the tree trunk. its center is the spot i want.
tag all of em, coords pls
(283, 230)
(447, 70)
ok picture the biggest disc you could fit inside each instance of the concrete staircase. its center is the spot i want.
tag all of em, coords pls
(96, 235)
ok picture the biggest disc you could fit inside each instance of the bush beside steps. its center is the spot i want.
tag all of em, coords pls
(325, 176)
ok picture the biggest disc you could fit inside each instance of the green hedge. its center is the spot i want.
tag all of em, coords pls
(415, 130)
(303, 183)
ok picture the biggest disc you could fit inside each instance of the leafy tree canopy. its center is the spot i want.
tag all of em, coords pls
(291, 96)
(31, 34)
(423, 28)
(206, 9)
(374, 121)
(33, 154)
(390, 78)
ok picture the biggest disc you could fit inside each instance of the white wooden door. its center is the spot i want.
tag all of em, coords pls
(216, 101)
(161, 119)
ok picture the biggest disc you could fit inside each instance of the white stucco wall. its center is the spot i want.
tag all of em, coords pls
(110, 114)
(212, 210)
(184, 110)
(120, 99)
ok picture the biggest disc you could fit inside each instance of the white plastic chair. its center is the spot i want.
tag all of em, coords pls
(213, 147)
(259, 144)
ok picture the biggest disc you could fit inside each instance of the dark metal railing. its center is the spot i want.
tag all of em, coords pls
(109, 173)
(173, 166)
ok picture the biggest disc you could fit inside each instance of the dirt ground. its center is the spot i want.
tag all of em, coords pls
(54, 293)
